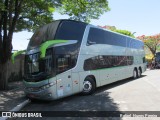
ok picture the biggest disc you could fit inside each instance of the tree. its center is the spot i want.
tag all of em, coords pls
(84, 10)
(18, 15)
(151, 42)
(28, 14)
(125, 32)
(114, 29)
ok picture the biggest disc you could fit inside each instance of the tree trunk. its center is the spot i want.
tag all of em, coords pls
(8, 20)
(4, 76)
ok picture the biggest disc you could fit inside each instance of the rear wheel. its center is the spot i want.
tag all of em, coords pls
(89, 86)
(139, 72)
(135, 74)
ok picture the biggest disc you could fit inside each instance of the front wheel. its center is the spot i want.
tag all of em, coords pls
(89, 86)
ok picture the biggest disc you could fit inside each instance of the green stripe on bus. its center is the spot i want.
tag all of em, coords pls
(48, 43)
(109, 68)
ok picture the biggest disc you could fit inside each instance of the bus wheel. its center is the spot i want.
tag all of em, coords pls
(139, 73)
(135, 74)
(89, 86)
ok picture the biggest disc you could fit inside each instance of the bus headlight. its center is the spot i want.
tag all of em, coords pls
(47, 86)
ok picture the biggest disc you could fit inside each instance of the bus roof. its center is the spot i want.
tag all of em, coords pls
(116, 33)
(60, 20)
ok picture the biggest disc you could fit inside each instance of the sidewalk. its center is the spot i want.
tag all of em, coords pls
(12, 97)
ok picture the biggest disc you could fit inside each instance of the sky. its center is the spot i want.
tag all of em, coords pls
(140, 16)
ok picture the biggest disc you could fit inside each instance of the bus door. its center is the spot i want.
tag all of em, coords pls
(64, 82)
(75, 82)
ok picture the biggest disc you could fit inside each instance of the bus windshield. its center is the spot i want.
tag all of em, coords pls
(43, 34)
(37, 69)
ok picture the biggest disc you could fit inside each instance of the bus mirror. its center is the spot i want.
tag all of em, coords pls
(16, 54)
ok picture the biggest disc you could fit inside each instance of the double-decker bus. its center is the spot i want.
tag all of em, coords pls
(67, 57)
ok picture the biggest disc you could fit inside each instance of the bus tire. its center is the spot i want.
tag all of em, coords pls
(89, 86)
(139, 72)
(135, 74)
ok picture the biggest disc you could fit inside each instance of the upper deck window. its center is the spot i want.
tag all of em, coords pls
(47, 32)
(70, 30)
(64, 29)
(99, 36)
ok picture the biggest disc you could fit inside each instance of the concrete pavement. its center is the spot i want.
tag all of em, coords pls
(141, 94)
(127, 95)
(13, 99)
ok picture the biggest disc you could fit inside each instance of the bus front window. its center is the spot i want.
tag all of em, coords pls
(37, 69)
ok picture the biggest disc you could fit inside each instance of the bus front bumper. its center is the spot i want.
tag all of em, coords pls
(46, 92)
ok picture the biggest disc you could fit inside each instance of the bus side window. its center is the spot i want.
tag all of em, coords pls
(63, 63)
(96, 36)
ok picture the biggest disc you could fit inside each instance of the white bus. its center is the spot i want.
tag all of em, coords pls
(67, 57)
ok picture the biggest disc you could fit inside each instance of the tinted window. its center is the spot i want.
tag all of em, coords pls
(104, 61)
(115, 39)
(99, 36)
(158, 57)
(38, 69)
(96, 36)
(71, 50)
(47, 32)
(63, 63)
(109, 38)
(132, 43)
(70, 30)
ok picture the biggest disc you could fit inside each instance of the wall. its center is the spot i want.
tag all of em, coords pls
(16, 70)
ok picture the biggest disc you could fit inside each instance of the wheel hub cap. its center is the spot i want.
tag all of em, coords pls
(87, 86)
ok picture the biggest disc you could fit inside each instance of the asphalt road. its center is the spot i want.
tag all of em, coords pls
(142, 94)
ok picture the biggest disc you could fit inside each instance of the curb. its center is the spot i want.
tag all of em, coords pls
(17, 108)
(20, 106)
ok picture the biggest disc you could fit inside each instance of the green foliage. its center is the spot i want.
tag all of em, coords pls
(158, 48)
(151, 42)
(124, 32)
(31, 13)
(113, 28)
(84, 10)
(35, 13)
(2, 7)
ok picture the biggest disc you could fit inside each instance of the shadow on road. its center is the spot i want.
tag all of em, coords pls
(115, 84)
(11, 97)
(95, 102)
